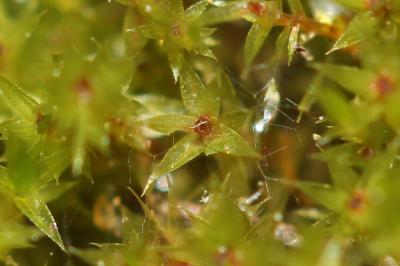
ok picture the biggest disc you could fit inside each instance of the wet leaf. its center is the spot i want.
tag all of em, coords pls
(167, 124)
(37, 211)
(352, 34)
(225, 139)
(150, 31)
(356, 80)
(177, 10)
(341, 166)
(22, 168)
(292, 43)
(196, 10)
(192, 88)
(185, 150)
(323, 194)
(282, 43)
(226, 13)
(210, 100)
(14, 233)
(254, 41)
(19, 102)
(235, 119)
(175, 62)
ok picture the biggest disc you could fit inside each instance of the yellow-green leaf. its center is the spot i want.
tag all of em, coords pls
(254, 41)
(38, 212)
(170, 123)
(225, 139)
(192, 88)
(185, 150)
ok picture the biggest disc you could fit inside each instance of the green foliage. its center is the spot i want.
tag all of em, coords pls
(194, 103)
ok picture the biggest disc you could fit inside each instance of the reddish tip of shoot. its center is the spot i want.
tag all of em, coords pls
(256, 8)
(203, 126)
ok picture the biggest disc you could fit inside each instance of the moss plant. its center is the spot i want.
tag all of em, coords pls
(200, 132)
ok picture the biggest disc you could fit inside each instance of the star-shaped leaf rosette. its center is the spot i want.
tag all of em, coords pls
(176, 29)
(207, 129)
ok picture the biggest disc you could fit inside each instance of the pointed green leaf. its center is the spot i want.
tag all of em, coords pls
(352, 34)
(14, 232)
(36, 210)
(210, 99)
(134, 41)
(204, 50)
(254, 41)
(336, 107)
(23, 171)
(196, 10)
(151, 215)
(192, 88)
(226, 13)
(340, 163)
(19, 102)
(225, 139)
(282, 43)
(235, 119)
(292, 43)
(150, 31)
(169, 123)
(355, 80)
(185, 150)
(177, 10)
(323, 194)
(175, 62)
(53, 164)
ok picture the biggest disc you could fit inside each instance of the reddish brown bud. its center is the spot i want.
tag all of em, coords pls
(366, 152)
(203, 126)
(176, 29)
(256, 8)
(83, 90)
(357, 201)
(383, 85)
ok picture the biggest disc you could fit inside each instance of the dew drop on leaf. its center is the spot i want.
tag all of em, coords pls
(268, 108)
(287, 234)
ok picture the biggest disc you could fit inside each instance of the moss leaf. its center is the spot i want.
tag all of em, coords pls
(169, 123)
(192, 88)
(225, 139)
(38, 212)
(185, 150)
(254, 40)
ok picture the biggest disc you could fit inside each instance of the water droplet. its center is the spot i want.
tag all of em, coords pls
(161, 183)
(205, 197)
(28, 34)
(287, 234)
(100, 263)
(388, 261)
(268, 108)
(148, 8)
